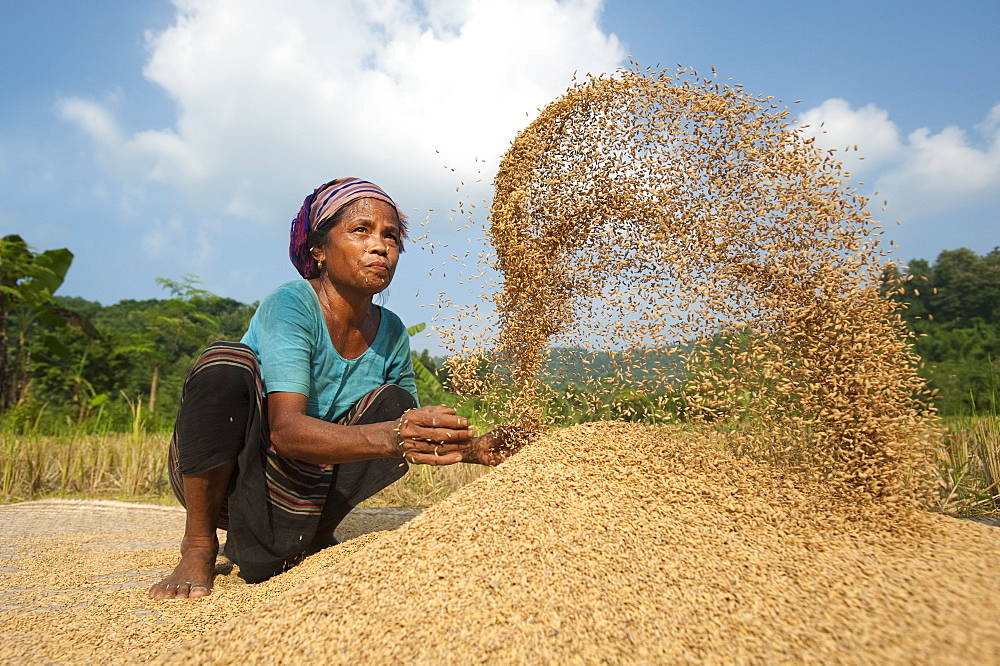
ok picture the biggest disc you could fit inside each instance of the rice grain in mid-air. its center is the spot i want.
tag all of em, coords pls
(723, 265)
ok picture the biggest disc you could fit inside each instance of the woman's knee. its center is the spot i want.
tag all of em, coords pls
(386, 403)
(225, 371)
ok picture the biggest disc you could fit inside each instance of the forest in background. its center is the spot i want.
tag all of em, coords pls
(69, 364)
(953, 309)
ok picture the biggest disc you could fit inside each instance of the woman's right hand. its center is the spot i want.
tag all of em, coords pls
(433, 435)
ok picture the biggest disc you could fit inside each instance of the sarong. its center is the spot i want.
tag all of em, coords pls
(274, 506)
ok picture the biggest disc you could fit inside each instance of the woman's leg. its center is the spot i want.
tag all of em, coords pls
(203, 495)
(357, 481)
(211, 430)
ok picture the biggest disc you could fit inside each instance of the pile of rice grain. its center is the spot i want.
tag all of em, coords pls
(614, 542)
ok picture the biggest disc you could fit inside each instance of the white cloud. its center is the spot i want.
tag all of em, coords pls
(944, 168)
(95, 120)
(837, 126)
(274, 98)
(157, 155)
(920, 175)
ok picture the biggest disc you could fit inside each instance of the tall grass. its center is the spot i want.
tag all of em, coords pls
(115, 465)
(126, 466)
(970, 473)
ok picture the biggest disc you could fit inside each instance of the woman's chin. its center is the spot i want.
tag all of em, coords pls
(376, 285)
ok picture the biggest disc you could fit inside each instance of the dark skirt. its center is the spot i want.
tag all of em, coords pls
(275, 507)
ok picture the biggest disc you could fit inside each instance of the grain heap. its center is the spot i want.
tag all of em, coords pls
(613, 542)
(721, 260)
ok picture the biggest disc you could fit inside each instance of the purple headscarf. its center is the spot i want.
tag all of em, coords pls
(320, 206)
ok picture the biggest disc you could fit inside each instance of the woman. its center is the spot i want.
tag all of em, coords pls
(281, 435)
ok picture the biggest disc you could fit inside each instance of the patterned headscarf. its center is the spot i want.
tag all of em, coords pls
(320, 206)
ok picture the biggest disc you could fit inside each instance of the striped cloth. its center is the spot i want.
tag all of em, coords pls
(235, 356)
(300, 488)
(276, 509)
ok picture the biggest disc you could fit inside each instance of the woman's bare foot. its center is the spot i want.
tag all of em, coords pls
(192, 577)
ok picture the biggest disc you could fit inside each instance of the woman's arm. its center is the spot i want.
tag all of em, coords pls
(429, 435)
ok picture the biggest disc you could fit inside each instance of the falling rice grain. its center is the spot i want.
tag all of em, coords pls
(683, 228)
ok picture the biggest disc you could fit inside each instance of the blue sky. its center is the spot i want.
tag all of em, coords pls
(158, 139)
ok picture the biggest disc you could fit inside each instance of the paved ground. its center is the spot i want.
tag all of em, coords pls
(74, 575)
(41, 528)
(56, 516)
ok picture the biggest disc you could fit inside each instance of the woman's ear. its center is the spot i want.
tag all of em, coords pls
(318, 254)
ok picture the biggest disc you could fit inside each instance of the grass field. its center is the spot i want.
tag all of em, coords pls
(133, 467)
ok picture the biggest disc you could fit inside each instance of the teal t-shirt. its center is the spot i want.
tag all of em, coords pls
(292, 344)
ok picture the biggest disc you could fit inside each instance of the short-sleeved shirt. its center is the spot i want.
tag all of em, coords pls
(289, 336)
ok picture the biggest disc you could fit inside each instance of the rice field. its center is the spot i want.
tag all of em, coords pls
(127, 467)
(111, 466)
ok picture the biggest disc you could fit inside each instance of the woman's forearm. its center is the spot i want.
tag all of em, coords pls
(433, 435)
(312, 440)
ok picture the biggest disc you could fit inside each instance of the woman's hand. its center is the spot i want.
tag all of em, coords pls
(436, 435)
(494, 447)
(433, 435)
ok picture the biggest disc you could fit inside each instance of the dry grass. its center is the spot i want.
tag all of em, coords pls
(970, 471)
(107, 466)
(126, 467)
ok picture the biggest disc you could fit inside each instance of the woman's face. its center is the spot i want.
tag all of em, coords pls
(362, 248)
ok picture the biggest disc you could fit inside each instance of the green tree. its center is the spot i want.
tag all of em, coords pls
(31, 319)
(172, 327)
(953, 309)
(966, 287)
(119, 363)
(430, 390)
(95, 373)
